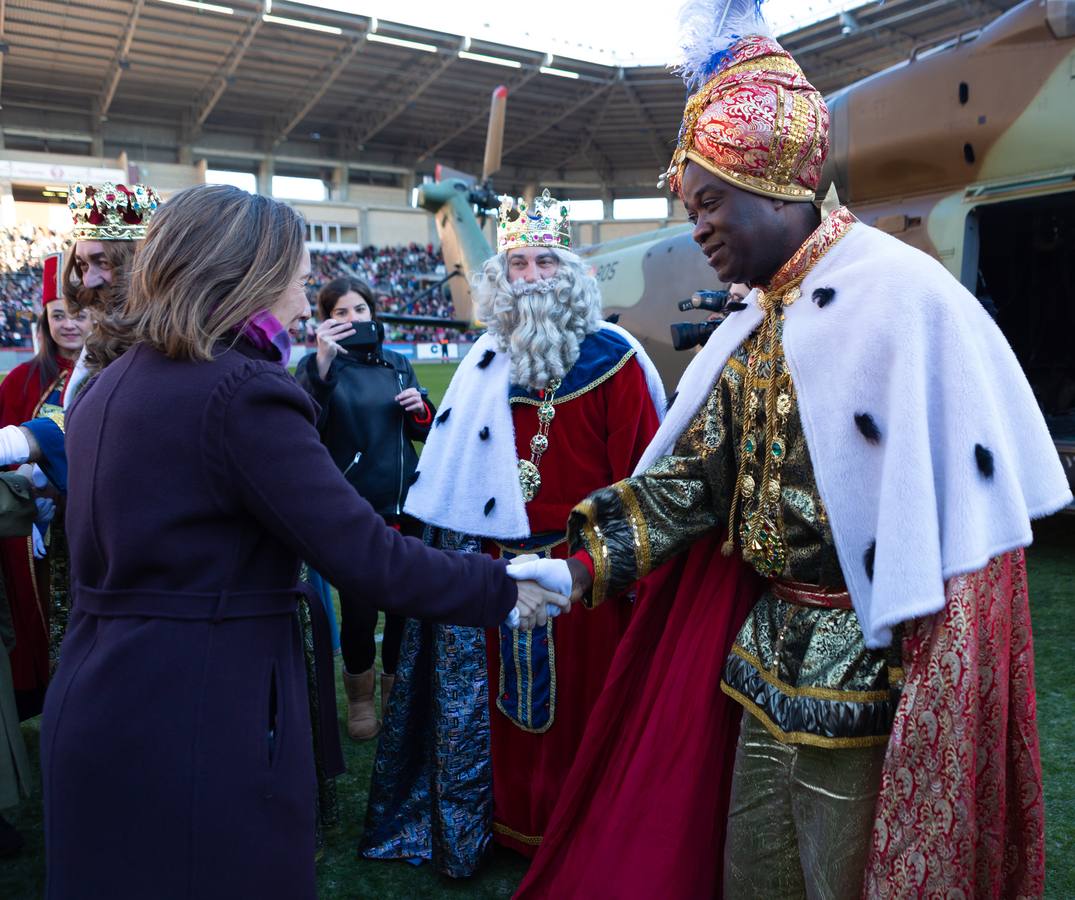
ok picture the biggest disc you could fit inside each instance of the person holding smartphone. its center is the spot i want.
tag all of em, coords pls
(372, 407)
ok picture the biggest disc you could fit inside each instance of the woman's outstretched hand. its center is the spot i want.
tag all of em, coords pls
(535, 605)
(547, 580)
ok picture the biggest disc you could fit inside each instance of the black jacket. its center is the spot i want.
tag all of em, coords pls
(360, 420)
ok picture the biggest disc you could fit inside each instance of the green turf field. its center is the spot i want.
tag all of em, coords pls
(342, 875)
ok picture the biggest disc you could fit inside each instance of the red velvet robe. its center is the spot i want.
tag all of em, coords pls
(960, 811)
(26, 579)
(594, 440)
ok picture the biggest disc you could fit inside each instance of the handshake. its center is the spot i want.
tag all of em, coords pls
(544, 591)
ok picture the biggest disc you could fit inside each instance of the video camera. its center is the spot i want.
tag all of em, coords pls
(694, 334)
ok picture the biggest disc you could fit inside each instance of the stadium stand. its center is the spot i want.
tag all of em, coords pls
(398, 276)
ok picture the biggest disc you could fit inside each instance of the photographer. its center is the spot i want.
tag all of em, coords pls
(372, 407)
(693, 335)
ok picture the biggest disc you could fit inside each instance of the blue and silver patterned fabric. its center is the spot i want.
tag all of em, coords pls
(431, 795)
(324, 591)
(527, 689)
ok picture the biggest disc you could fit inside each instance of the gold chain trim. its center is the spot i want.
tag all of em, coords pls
(33, 582)
(519, 551)
(534, 840)
(530, 469)
(530, 401)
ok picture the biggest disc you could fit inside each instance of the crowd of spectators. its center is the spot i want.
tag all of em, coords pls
(22, 248)
(402, 279)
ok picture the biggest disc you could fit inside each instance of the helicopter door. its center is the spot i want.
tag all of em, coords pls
(1025, 278)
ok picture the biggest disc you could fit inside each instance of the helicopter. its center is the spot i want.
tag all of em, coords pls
(966, 150)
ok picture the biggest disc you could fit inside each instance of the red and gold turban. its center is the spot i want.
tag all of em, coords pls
(757, 123)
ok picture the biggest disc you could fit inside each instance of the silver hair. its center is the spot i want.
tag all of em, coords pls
(540, 324)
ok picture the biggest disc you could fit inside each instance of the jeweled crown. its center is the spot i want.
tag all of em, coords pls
(111, 212)
(543, 224)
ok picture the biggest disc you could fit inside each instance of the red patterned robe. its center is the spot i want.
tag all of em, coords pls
(961, 810)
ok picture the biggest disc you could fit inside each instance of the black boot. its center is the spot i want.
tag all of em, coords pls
(10, 840)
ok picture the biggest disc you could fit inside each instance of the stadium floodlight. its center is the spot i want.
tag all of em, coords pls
(297, 23)
(561, 73)
(204, 7)
(493, 60)
(400, 42)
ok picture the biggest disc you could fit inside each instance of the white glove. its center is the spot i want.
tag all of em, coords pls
(39, 543)
(14, 448)
(551, 574)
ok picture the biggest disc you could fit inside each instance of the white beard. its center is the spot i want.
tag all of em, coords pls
(541, 334)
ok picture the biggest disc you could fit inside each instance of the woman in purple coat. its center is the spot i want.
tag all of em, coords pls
(175, 744)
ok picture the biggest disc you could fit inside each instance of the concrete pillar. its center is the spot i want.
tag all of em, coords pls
(341, 184)
(97, 144)
(185, 155)
(265, 172)
(364, 226)
(201, 168)
(123, 163)
(7, 205)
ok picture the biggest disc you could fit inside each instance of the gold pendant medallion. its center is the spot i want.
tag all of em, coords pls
(530, 479)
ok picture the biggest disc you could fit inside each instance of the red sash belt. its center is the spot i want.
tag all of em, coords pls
(809, 594)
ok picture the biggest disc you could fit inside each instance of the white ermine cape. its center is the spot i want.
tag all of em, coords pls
(459, 471)
(964, 460)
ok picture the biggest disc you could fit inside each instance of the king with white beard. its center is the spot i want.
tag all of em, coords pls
(548, 405)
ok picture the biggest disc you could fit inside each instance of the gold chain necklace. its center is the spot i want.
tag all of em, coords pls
(529, 476)
(762, 532)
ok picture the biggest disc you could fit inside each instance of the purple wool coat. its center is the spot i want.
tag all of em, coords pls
(176, 744)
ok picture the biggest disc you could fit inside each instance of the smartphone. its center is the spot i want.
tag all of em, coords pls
(367, 336)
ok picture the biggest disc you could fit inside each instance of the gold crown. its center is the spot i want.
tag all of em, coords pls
(111, 212)
(544, 224)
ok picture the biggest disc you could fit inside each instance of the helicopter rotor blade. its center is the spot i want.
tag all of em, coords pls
(494, 139)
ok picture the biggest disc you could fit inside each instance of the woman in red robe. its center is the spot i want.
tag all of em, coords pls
(33, 389)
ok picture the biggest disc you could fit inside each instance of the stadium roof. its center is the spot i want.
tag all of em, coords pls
(169, 79)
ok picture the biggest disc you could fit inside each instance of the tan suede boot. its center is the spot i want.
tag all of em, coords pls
(362, 721)
(386, 691)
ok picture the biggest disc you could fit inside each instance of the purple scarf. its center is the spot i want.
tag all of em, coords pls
(265, 332)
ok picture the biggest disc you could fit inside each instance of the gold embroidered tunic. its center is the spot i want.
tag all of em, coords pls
(743, 463)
